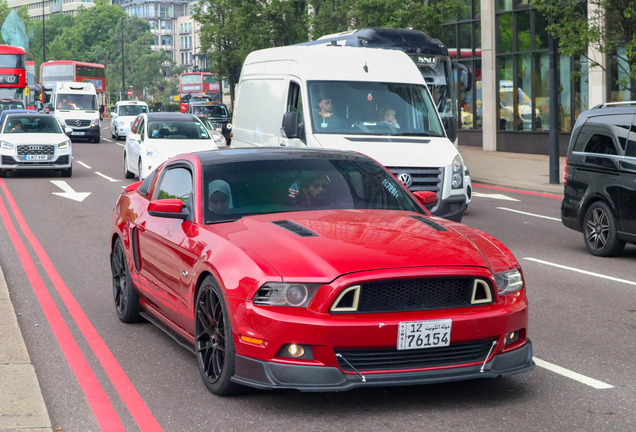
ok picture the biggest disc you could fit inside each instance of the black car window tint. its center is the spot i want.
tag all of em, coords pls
(144, 187)
(601, 144)
(175, 183)
(630, 151)
(618, 124)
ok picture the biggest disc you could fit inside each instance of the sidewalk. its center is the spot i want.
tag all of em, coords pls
(22, 407)
(514, 170)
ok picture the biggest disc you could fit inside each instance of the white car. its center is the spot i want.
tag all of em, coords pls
(34, 141)
(217, 136)
(123, 115)
(156, 137)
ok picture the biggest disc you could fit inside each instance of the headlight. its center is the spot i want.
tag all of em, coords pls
(508, 282)
(121, 123)
(64, 145)
(457, 180)
(6, 145)
(95, 122)
(285, 294)
(228, 126)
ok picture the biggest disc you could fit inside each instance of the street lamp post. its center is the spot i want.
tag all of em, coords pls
(123, 80)
(43, 36)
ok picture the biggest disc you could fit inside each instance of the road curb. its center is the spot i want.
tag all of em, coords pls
(22, 407)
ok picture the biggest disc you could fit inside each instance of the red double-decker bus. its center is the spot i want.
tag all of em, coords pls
(13, 72)
(201, 84)
(74, 71)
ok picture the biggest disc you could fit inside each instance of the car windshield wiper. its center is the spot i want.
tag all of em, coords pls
(416, 134)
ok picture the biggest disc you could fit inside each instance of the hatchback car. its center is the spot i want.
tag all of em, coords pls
(33, 141)
(599, 197)
(313, 270)
(123, 115)
(155, 137)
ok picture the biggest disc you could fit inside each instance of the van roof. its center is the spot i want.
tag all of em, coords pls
(334, 63)
(132, 103)
(74, 87)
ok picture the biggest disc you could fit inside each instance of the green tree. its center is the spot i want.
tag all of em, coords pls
(610, 26)
(53, 27)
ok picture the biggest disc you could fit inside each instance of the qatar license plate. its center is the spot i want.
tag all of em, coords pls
(77, 133)
(424, 334)
(34, 157)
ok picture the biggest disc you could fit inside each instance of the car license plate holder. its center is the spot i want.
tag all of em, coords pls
(35, 157)
(424, 334)
(77, 133)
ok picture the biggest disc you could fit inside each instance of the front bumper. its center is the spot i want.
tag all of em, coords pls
(451, 208)
(84, 132)
(270, 375)
(122, 131)
(11, 161)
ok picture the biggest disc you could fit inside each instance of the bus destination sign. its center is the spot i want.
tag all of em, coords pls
(9, 79)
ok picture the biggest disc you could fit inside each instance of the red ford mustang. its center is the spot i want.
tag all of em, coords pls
(313, 270)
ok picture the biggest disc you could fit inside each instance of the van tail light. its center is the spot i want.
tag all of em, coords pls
(565, 173)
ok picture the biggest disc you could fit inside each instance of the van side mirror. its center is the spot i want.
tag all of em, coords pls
(290, 125)
(51, 107)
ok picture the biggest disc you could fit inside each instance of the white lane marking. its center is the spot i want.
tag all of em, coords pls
(120, 144)
(68, 191)
(106, 139)
(105, 128)
(106, 177)
(494, 196)
(83, 164)
(585, 272)
(572, 375)
(529, 214)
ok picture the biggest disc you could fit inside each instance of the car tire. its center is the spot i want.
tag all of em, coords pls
(127, 173)
(599, 231)
(112, 135)
(124, 292)
(214, 343)
(97, 139)
(139, 169)
(3, 173)
(68, 172)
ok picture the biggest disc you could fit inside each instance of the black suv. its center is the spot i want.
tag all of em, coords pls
(216, 113)
(600, 178)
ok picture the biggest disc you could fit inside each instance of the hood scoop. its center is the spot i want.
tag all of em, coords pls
(297, 229)
(430, 223)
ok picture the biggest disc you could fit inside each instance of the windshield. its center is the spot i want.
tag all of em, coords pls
(59, 71)
(369, 108)
(12, 61)
(11, 105)
(209, 110)
(132, 110)
(235, 190)
(185, 130)
(76, 102)
(31, 124)
(11, 93)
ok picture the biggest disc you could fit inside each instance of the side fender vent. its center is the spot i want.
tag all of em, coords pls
(295, 228)
(431, 223)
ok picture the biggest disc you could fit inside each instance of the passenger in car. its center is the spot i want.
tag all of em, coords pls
(220, 196)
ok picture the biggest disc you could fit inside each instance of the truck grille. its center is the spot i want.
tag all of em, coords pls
(37, 149)
(415, 294)
(82, 123)
(392, 359)
(424, 179)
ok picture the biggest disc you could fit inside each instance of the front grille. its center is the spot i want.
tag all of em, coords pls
(415, 294)
(424, 179)
(82, 123)
(392, 359)
(37, 149)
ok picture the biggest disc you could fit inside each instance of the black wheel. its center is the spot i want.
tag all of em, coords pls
(139, 169)
(97, 139)
(127, 173)
(3, 173)
(599, 229)
(213, 340)
(125, 295)
(67, 172)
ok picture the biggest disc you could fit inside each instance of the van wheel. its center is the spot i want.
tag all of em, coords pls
(3, 173)
(97, 139)
(600, 231)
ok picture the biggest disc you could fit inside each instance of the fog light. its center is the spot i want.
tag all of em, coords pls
(512, 337)
(295, 350)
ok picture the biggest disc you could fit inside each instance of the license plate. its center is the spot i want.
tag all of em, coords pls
(34, 157)
(77, 133)
(424, 334)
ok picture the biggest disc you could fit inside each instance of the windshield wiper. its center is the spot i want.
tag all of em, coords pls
(416, 134)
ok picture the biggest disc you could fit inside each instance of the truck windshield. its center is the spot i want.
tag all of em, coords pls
(84, 102)
(368, 108)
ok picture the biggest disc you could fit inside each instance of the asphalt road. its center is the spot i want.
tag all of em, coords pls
(582, 319)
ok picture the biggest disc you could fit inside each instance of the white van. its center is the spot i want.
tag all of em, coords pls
(368, 100)
(123, 115)
(75, 105)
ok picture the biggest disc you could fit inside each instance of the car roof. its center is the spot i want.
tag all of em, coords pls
(207, 103)
(11, 100)
(19, 111)
(213, 157)
(169, 116)
(131, 103)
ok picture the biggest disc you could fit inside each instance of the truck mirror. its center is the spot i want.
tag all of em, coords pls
(290, 125)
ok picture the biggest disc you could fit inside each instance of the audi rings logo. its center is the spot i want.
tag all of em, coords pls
(405, 179)
(78, 122)
(36, 147)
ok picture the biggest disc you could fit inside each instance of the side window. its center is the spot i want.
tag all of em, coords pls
(144, 187)
(600, 144)
(133, 128)
(630, 151)
(175, 183)
(140, 129)
(618, 125)
(295, 102)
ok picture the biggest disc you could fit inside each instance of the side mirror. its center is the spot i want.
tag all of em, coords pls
(168, 208)
(290, 125)
(135, 137)
(68, 130)
(426, 197)
(51, 107)
(113, 115)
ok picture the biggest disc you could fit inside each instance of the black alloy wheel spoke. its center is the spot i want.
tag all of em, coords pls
(210, 338)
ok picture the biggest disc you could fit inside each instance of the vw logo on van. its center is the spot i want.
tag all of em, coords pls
(405, 179)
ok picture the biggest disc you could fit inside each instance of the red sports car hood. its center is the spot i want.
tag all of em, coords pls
(322, 245)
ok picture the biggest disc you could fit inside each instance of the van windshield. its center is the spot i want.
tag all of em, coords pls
(84, 102)
(369, 108)
(132, 110)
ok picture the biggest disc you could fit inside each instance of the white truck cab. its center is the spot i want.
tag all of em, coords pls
(124, 114)
(74, 104)
(368, 100)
